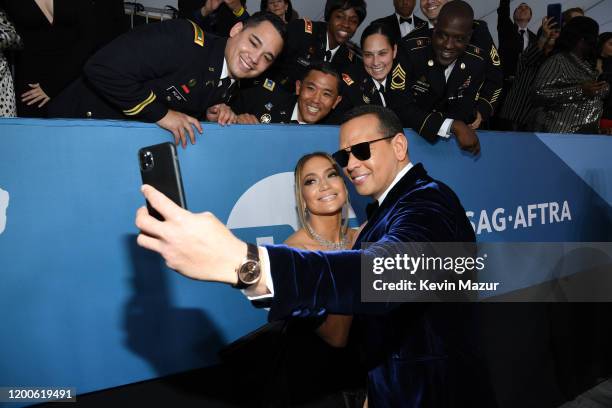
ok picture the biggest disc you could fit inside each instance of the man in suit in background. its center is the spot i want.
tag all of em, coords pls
(418, 354)
(403, 21)
(514, 37)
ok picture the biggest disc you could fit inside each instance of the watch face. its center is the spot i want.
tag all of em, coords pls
(249, 272)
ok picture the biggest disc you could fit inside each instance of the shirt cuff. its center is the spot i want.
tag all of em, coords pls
(264, 263)
(445, 128)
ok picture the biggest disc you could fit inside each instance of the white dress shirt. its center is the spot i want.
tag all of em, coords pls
(334, 51)
(294, 115)
(378, 85)
(405, 27)
(444, 130)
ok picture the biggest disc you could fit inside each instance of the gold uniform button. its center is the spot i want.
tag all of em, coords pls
(462, 65)
(430, 63)
(88, 114)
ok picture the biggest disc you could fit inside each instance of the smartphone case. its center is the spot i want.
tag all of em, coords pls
(159, 167)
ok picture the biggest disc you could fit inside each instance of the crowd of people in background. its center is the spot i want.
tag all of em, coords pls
(442, 77)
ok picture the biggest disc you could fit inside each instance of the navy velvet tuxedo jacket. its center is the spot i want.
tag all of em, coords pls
(418, 355)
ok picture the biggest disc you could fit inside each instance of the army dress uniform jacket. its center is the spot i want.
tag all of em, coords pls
(481, 42)
(305, 44)
(431, 98)
(268, 102)
(359, 88)
(144, 73)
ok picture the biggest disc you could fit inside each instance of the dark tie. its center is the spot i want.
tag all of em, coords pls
(522, 32)
(405, 20)
(381, 92)
(328, 56)
(371, 209)
(223, 93)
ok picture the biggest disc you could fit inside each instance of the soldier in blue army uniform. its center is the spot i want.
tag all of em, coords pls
(317, 94)
(482, 45)
(381, 74)
(172, 73)
(310, 42)
(443, 76)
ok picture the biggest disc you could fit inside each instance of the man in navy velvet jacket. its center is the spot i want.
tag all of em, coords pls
(418, 354)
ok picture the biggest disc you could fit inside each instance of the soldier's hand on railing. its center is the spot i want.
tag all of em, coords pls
(180, 125)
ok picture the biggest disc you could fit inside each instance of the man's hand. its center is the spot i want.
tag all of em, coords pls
(221, 113)
(476, 124)
(178, 124)
(247, 119)
(198, 246)
(466, 137)
(592, 88)
(35, 95)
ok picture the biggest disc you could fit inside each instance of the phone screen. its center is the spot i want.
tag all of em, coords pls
(553, 11)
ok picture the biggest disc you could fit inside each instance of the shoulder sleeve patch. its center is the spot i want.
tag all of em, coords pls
(198, 34)
(347, 79)
(308, 26)
(269, 84)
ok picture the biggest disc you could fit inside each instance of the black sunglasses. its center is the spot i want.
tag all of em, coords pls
(361, 151)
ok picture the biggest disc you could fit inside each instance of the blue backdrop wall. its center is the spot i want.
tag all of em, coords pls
(82, 306)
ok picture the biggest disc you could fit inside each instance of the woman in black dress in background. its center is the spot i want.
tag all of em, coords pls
(58, 37)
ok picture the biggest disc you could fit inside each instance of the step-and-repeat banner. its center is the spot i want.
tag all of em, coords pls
(82, 306)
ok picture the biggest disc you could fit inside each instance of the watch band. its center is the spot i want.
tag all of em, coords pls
(252, 256)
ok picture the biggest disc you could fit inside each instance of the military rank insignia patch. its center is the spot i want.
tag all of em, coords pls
(198, 35)
(366, 99)
(269, 84)
(398, 78)
(347, 79)
(265, 118)
(495, 56)
(307, 26)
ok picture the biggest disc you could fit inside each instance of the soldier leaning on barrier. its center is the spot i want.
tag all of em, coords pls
(443, 75)
(481, 41)
(172, 73)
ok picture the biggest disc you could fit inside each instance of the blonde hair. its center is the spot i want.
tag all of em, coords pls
(299, 198)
